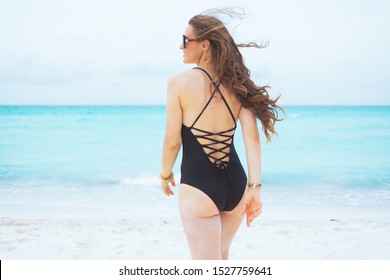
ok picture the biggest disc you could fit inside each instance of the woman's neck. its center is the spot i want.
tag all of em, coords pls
(208, 66)
(205, 62)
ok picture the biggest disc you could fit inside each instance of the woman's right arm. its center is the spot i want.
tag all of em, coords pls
(172, 138)
(252, 205)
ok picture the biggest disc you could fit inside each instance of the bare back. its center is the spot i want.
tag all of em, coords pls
(197, 92)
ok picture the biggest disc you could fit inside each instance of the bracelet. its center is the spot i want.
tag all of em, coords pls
(254, 186)
(166, 180)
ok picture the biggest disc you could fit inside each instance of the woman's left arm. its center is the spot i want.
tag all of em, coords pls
(252, 204)
(172, 138)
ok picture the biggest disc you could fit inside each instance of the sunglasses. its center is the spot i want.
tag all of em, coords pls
(186, 40)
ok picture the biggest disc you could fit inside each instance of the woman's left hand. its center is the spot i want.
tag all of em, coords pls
(252, 205)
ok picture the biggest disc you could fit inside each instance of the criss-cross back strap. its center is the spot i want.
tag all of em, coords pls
(227, 135)
(211, 97)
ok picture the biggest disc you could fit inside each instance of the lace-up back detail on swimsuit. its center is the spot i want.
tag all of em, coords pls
(216, 145)
(210, 162)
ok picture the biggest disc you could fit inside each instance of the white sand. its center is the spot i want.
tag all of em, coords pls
(287, 232)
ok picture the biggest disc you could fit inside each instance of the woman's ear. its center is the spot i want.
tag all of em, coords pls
(205, 45)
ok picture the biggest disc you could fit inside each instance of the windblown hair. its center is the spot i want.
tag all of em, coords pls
(231, 70)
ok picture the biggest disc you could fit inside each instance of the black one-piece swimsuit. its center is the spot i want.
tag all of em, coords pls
(223, 178)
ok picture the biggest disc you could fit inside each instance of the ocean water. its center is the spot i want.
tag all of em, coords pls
(110, 156)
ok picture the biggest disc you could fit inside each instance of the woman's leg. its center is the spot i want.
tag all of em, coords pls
(202, 223)
(230, 222)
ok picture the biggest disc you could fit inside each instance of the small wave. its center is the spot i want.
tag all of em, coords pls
(139, 181)
(143, 180)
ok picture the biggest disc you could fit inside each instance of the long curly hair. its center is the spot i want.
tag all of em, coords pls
(231, 71)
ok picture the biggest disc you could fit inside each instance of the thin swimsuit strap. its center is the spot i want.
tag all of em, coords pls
(211, 97)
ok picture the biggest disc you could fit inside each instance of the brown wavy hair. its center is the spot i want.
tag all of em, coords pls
(231, 71)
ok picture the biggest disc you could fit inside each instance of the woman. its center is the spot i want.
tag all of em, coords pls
(203, 105)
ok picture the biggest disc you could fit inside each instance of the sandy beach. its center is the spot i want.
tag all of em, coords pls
(281, 233)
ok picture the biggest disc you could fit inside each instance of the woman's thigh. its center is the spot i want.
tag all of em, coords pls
(201, 222)
(230, 222)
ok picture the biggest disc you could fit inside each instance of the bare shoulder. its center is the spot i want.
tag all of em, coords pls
(184, 80)
(246, 115)
(246, 112)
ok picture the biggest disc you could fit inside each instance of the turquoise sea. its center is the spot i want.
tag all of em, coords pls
(111, 155)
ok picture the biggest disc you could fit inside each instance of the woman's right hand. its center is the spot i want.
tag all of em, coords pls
(166, 189)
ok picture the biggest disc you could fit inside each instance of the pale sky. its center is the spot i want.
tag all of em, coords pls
(333, 52)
